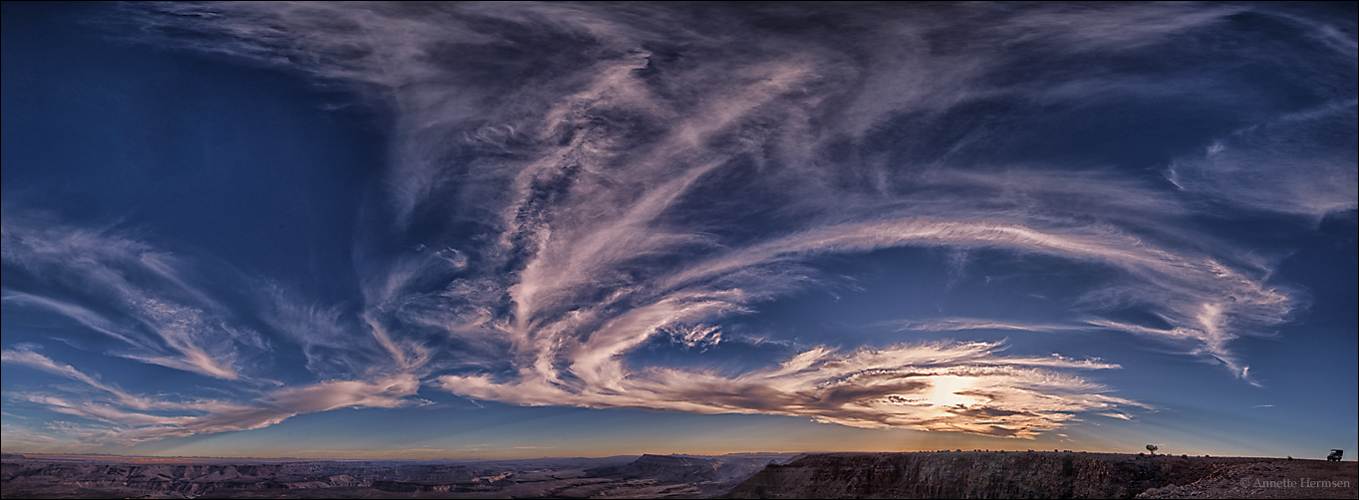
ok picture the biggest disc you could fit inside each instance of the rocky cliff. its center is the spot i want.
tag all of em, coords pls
(1015, 475)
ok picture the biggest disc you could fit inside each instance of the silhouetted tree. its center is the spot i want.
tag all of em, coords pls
(1152, 448)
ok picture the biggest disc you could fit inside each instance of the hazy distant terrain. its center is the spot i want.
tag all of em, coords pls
(648, 476)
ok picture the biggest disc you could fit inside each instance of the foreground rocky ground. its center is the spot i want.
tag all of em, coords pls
(1048, 475)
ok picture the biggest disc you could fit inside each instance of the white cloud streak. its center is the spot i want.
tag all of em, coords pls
(150, 306)
(129, 419)
(963, 324)
(938, 387)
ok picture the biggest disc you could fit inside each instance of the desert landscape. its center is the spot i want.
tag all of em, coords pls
(947, 474)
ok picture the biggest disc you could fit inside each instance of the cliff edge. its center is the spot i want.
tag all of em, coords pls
(1045, 475)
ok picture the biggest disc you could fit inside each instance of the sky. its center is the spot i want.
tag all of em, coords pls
(509, 230)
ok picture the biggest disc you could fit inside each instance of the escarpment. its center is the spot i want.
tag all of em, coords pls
(1038, 475)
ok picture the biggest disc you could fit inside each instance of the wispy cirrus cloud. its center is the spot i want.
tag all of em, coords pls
(1299, 163)
(944, 386)
(145, 299)
(125, 427)
(962, 324)
(584, 178)
(334, 343)
(125, 419)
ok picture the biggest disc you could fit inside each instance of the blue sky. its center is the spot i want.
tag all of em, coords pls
(525, 230)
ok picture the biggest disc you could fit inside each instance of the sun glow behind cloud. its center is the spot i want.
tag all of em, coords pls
(599, 177)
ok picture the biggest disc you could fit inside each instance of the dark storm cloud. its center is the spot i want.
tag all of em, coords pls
(583, 177)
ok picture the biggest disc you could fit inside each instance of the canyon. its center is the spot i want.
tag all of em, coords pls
(941, 474)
